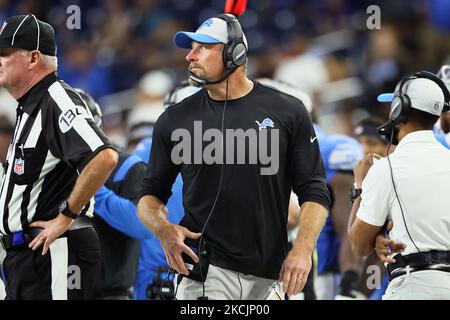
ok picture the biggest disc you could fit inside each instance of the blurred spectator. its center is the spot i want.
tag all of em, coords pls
(367, 134)
(8, 107)
(307, 72)
(79, 67)
(385, 65)
(149, 104)
(152, 14)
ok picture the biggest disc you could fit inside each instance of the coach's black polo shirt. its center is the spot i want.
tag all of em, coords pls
(53, 140)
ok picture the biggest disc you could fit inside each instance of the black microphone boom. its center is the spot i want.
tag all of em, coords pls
(203, 82)
(384, 128)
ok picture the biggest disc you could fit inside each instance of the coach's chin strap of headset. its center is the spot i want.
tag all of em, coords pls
(203, 82)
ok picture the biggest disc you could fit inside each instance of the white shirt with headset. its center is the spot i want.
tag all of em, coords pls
(421, 171)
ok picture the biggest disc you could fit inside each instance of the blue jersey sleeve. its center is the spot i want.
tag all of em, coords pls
(143, 148)
(444, 139)
(343, 155)
(120, 214)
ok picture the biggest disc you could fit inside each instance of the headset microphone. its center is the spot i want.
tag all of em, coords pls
(203, 82)
(389, 131)
(384, 128)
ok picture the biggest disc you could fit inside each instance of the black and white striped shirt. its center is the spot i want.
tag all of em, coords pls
(53, 140)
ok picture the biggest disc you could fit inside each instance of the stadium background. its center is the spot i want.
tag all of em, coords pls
(124, 56)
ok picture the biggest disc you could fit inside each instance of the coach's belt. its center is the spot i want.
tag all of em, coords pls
(401, 272)
(431, 260)
(21, 239)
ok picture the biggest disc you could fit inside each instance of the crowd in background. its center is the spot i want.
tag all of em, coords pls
(123, 53)
(124, 56)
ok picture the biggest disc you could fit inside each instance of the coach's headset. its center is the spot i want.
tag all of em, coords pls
(401, 103)
(234, 52)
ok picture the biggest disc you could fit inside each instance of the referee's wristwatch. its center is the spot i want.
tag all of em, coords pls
(354, 193)
(65, 210)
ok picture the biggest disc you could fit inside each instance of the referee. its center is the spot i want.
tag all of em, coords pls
(57, 160)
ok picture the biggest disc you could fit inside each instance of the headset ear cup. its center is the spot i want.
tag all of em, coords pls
(239, 54)
(404, 110)
(227, 56)
(234, 57)
(396, 108)
(224, 56)
(234, 52)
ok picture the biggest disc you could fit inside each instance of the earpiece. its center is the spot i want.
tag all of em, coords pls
(235, 51)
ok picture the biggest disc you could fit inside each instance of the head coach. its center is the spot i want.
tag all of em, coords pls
(408, 187)
(237, 208)
(57, 160)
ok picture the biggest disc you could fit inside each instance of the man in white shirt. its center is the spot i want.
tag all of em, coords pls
(408, 188)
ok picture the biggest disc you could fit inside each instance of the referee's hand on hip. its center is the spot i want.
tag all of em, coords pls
(52, 230)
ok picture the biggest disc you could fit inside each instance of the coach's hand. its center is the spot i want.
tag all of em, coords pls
(52, 230)
(363, 167)
(172, 241)
(294, 271)
(384, 247)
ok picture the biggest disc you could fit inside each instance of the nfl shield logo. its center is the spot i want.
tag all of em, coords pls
(19, 166)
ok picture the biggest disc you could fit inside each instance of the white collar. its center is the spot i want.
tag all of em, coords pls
(417, 136)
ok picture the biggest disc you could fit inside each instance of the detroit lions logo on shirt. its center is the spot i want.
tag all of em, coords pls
(265, 123)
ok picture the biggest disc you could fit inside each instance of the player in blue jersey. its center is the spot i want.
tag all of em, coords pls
(120, 213)
(153, 280)
(340, 154)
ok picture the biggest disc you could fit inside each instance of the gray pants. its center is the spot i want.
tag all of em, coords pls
(420, 285)
(223, 284)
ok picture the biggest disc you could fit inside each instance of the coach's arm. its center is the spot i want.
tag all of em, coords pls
(361, 234)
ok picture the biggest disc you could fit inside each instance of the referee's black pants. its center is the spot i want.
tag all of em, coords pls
(70, 269)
